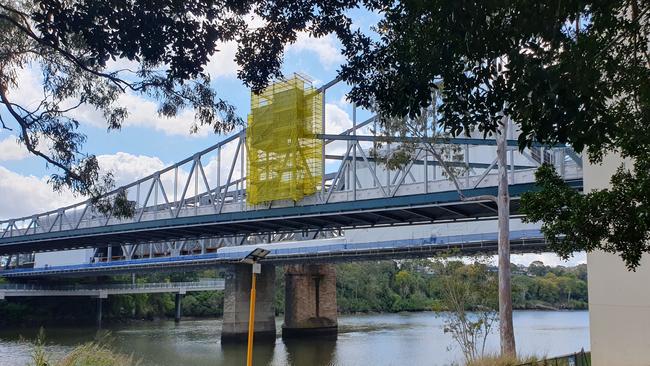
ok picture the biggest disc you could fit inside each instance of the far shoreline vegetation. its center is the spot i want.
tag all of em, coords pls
(363, 287)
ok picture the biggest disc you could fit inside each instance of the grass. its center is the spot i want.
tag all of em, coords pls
(88, 354)
(495, 360)
(95, 354)
(581, 358)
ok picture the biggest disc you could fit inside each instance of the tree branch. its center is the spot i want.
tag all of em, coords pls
(118, 82)
(24, 125)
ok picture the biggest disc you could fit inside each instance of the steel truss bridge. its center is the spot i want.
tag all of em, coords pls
(198, 205)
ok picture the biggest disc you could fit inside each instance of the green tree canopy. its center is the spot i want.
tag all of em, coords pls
(71, 44)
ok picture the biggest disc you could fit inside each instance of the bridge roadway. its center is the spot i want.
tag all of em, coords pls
(315, 251)
(102, 291)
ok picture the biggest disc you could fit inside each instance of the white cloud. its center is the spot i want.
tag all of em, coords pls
(326, 48)
(127, 167)
(336, 119)
(28, 195)
(222, 63)
(143, 112)
(10, 149)
(122, 64)
(549, 259)
(29, 91)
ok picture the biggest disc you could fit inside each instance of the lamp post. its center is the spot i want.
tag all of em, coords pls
(252, 258)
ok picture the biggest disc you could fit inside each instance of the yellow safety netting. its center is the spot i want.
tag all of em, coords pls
(284, 155)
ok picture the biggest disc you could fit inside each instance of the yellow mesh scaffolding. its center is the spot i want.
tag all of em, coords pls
(284, 155)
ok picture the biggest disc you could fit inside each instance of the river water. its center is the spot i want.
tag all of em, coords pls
(411, 339)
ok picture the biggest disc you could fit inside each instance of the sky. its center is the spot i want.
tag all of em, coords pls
(147, 142)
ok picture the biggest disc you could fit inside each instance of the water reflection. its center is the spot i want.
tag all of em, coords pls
(235, 354)
(377, 339)
(307, 352)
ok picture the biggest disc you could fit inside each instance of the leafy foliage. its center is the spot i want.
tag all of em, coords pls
(460, 294)
(72, 44)
(615, 220)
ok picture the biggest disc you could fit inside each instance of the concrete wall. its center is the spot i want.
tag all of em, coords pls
(619, 300)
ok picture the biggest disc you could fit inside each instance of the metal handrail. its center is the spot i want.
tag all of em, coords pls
(99, 287)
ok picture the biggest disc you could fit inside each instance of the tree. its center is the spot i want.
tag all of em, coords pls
(421, 134)
(614, 220)
(71, 43)
(467, 292)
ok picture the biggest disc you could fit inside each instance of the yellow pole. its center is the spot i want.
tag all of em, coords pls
(251, 323)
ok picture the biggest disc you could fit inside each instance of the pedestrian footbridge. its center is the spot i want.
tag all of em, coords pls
(104, 290)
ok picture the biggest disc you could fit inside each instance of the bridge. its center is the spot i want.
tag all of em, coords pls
(102, 291)
(190, 214)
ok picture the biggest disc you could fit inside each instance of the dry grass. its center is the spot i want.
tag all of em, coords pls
(94, 354)
(89, 354)
(495, 360)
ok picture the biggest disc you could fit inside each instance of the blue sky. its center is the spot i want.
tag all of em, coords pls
(147, 142)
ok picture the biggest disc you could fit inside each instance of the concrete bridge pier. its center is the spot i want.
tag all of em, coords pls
(178, 304)
(99, 312)
(310, 301)
(100, 301)
(236, 304)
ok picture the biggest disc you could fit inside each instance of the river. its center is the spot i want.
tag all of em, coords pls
(411, 339)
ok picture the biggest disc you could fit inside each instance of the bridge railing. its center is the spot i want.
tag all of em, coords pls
(137, 286)
(213, 181)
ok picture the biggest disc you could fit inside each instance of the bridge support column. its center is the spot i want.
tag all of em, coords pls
(237, 302)
(177, 313)
(99, 312)
(310, 301)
